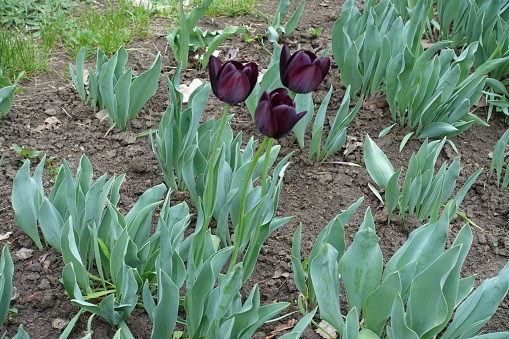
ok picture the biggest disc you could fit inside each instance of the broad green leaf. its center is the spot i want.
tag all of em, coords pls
(473, 313)
(303, 102)
(197, 13)
(378, 305)
(78, 78)
(392, 193)
(51, 224)
(26, 198)
(350, 73)
(378, 165)
(427, 305)
(398, 327)
(436, 129)
(121, 90)
(325, 276)
(214, 44)
(423, 246)
(361, 265)
(6, 273)
(497, 161)
(164, 315)
(351, 329)
(21, 334)
(298, 271)
(292, 23)
(143, 87)
(316, 136)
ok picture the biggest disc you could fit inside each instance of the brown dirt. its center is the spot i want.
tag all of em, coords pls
(312, 193)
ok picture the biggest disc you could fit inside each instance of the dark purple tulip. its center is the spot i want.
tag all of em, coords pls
(275, 114)
(303, 71)
(232, 82)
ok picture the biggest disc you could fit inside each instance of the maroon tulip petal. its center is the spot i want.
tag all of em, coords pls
(323, 64)
(305, 79)
(285, 120)
(265, 120)
(214, 67)
(283, 60)
(299, 59)
(233, 87)
(251, 71)
(227, 68)
(277, 96)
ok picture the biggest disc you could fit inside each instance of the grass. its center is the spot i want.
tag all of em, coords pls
(107, 27)
(217, 8)
(19, 52)
(231, 8)
(34, 29)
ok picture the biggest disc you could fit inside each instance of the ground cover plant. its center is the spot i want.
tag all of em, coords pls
(219, 254)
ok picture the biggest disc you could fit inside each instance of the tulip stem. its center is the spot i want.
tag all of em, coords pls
(212, 164)
(241, 228)
(266, 166)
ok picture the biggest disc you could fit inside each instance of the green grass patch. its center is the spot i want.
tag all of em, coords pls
(216, 9)
(19, 52)
(107, 26)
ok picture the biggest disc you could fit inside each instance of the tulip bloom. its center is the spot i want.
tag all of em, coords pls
(232, 82)
(275, 114)
(302, 72)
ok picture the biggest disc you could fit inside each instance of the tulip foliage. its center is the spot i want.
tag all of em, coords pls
(187, 35)
(6, 273)
(193, 276)
(276, 26)
(415, 295)
(498, 162)
(113, 87)
(434, 94)
(7, 90)
(180, 129)
(483, 21)
(133, 261)
(423, 192)
(363, 45)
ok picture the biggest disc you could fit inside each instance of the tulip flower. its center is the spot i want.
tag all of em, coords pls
(302, 72)
(275, 114)
(232, 82)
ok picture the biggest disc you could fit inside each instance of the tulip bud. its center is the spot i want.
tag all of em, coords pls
(275, 114)
(232, 82)
(302, 72)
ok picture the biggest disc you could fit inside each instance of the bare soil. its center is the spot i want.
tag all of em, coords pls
(312, 193)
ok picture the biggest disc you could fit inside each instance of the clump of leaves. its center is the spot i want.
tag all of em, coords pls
(25, 153)
(315, 32)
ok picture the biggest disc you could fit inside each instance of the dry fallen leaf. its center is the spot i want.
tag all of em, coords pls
(49, 123)
(102, 114)
(375, 101)
(5, 235)
(289, 324)
(328, 328)
(24, 253)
